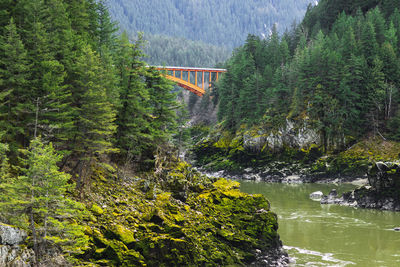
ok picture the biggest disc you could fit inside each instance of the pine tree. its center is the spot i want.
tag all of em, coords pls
(93, 114)
(106, 28)
(369, 45)
(6, 7)
(4, 165)
(14, 77)
(376, 18)
(133, 133)
(163, 106)
(395, 19)
(37, 201)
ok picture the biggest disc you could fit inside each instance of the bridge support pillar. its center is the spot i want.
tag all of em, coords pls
(202, 80)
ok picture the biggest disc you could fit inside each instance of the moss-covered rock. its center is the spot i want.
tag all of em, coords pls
(213, 224)
(96, 210)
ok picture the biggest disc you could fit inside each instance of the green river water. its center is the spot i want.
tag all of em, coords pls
(330, 235)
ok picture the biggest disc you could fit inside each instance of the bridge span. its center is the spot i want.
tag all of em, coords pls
(182, 76)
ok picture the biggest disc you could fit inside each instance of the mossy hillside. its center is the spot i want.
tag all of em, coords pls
(212, 223)
(357, 159)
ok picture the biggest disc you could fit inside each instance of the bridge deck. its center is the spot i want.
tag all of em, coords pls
(189, 69)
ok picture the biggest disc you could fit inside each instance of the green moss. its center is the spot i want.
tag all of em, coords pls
(224, 141)
(224, 184)
(123, 234)
(191, 221)
(96, 210)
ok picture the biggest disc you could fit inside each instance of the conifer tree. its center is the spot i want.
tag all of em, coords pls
(37, 201)
(369, 44)
(106, 28)
(133, 133)
(14, 77)
(163, 106)
(93, 114)
(4, 165)
(58, 27)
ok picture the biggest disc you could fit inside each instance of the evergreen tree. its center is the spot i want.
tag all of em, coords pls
(395, 19)
(93, 113)
(37, 201)
(4, 165)
(133, 134)
(163, 106)
(14, 77)
(369, 44)
(106, 28)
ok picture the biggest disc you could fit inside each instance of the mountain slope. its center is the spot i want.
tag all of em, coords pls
(223, 23)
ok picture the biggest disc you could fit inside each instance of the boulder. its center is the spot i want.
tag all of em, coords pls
(11, 254)
(384, 175)
(333, 193)
(10, 235)
(317, 195)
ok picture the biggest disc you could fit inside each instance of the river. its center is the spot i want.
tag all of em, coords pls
(330, 235)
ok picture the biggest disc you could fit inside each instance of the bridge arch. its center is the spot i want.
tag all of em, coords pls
(171, 74)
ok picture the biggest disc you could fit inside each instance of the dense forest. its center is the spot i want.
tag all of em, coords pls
(177, 51)
(89, 173)
(73, 95)
(338, 72)
(189, 29)
(222, 23)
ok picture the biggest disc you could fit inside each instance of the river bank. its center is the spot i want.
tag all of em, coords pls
(285, 178)
(364, 196)
(295, 159)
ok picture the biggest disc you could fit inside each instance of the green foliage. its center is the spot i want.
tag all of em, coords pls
(64, 76)
(13, 83)
(178, 51)
(4, 165)
(36, 200)
(342, 83)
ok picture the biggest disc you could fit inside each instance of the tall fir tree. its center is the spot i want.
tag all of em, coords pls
(93, 114)
(14, 83)
(133, 133)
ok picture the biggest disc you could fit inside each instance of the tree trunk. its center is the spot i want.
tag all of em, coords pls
(34, 236)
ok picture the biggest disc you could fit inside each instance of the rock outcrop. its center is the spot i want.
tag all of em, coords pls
(383, 192)
(183, 219)
(316, 195)
(12, 251)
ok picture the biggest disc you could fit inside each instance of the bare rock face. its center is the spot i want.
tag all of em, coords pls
(10, 235)
(11, 253)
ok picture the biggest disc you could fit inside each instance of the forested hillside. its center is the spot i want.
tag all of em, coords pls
(73, 96)
(88, 169)
(222, 23)
(201, 33)
(343, 82)
(178, 51)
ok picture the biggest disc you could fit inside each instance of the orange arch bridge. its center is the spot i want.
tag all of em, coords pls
(182, 76)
